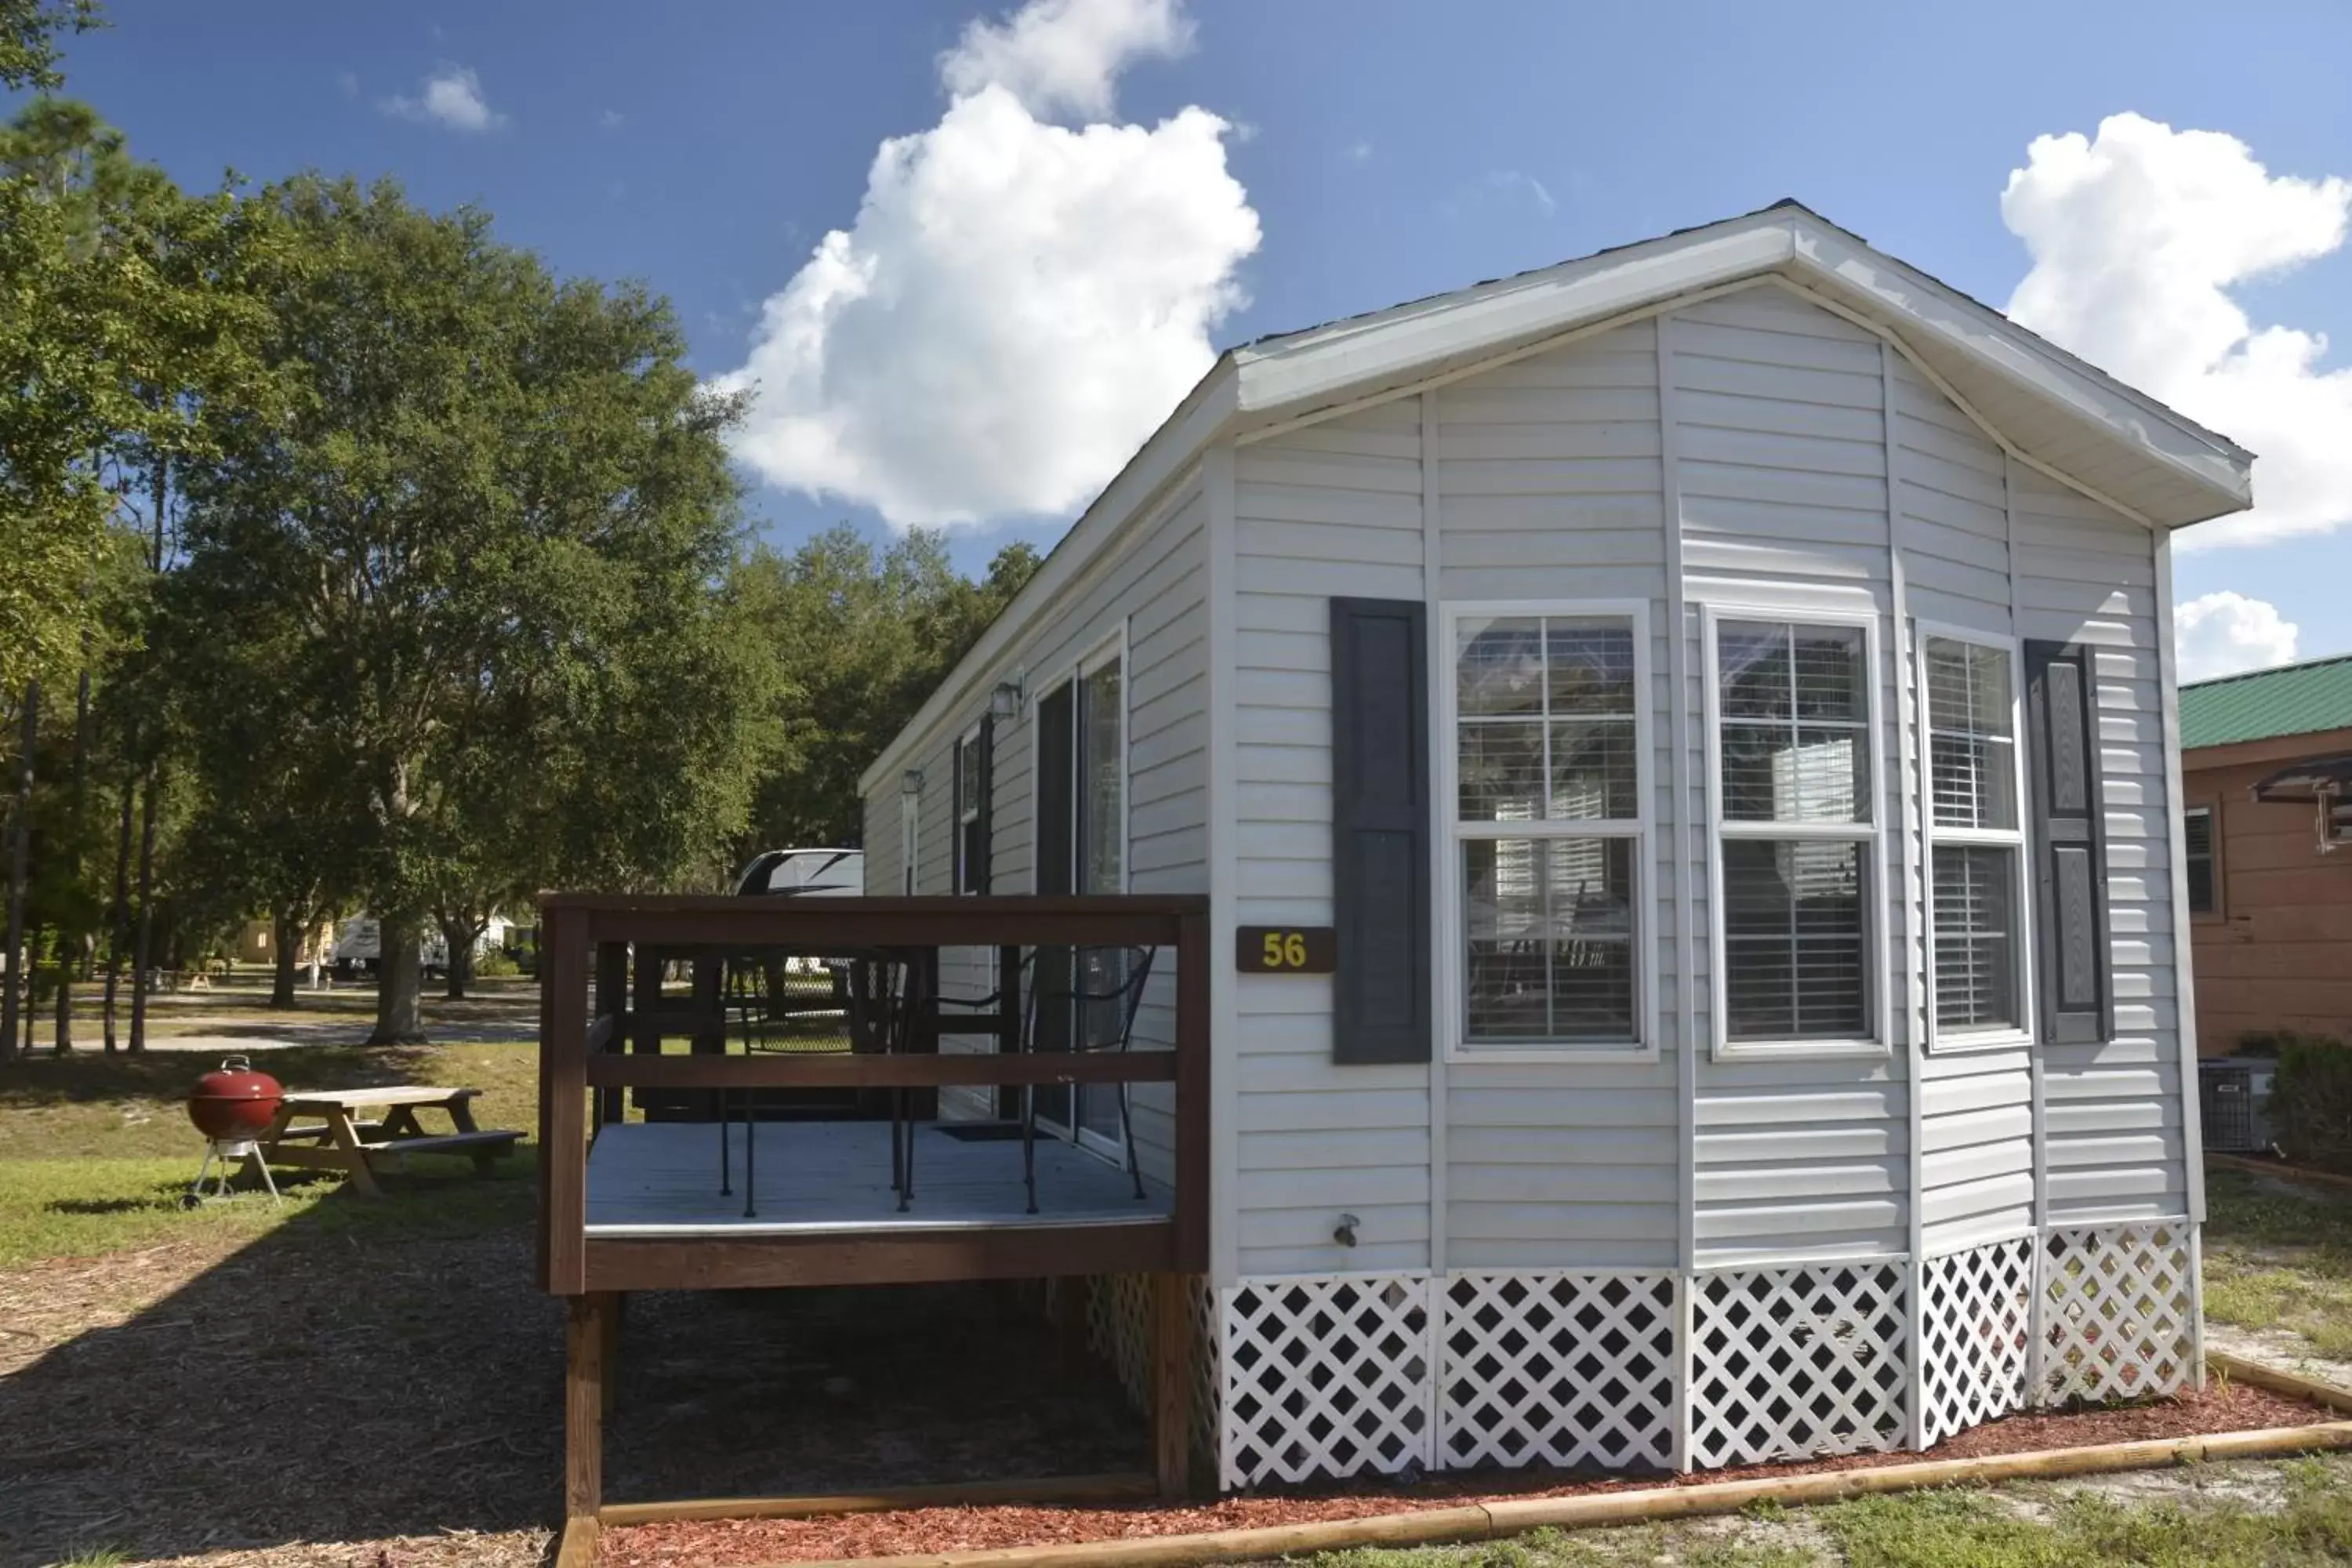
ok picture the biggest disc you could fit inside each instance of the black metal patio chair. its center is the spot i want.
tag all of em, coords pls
(1097, 1007)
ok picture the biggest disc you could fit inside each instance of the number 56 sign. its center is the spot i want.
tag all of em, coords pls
(1286, 950)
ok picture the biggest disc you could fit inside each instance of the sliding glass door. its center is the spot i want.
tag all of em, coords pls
(1081, 797)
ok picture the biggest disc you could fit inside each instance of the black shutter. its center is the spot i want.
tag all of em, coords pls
(959, 841)
(2069, 844)
(1380, 830)
(983, 831)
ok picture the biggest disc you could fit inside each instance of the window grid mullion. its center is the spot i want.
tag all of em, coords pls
(1866, 832)
(1545, 829)
(1555, 827)
(1986, 931)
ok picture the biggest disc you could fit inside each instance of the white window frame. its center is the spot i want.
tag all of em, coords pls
(960, 773)
(1877, 934)
(1451, 965)
(1112, 648)
(1959, 1041)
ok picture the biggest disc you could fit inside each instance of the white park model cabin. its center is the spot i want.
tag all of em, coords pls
(1721, 693)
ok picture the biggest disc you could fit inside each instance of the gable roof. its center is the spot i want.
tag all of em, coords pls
(2291, 699)
(2053, 411)
(2060, 412)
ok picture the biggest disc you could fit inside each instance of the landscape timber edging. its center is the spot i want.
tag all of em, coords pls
(2279, 1170)
(1480, 1521)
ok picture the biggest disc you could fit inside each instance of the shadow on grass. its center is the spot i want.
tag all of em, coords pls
(168, 1077)
(364, 1370)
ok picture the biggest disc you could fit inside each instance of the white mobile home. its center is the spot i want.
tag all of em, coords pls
(1718, 695)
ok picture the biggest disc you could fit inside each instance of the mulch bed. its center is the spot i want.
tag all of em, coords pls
(732, 1543)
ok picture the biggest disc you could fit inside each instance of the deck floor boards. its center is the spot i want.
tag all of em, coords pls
(661, 1179)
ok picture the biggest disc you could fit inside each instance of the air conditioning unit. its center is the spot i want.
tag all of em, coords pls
(2230, 1094)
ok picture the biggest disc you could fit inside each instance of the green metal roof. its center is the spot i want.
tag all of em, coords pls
(2293, 699)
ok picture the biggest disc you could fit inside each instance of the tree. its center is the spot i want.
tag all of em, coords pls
(474, 570)
(28, 38)
(859, 636)
(137, 332)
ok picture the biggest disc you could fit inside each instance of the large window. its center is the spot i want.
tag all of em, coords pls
(2204, 885)
(1547, 837)
(1971, 779)
(1796, 811)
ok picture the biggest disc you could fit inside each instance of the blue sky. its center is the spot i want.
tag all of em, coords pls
(1386, 150)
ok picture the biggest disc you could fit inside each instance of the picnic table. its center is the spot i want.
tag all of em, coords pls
(339, 1135)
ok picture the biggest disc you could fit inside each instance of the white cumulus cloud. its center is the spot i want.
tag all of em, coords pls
(451, 96)
(2138, 237)
(1019, 303)
(1064, 55)
(2223, 633)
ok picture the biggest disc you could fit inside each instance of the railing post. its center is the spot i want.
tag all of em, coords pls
(612, 1001)
(563, 1133)
(1192, 961)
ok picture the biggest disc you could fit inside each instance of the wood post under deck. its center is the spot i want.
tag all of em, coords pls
(1171, 1384)
(587, 1345)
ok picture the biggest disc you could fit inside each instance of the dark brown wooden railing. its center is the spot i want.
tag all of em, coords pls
(593, 1048)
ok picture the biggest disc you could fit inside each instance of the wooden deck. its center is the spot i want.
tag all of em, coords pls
(815, 1178)
(628, 1207)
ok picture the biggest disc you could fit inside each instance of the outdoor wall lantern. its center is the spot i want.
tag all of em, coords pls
(1004, 702)
(911, 782)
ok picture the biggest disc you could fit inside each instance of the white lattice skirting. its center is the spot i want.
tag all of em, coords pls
(2119, 1310)
(1790, 1364)
(1558, 1368)
(1327, 1376)
(1976, 1333)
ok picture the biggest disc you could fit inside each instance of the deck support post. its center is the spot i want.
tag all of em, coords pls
(608, 1382)
(1171, 1384)
(586, 1342)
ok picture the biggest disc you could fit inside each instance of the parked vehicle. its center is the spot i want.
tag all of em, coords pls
(359, 947)
(803, 873)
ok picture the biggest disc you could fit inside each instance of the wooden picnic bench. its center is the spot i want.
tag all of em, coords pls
(337, 1136)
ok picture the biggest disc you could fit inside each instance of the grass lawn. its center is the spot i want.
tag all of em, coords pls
(2271, 1516)
(98, 1149)
(2279, 1258)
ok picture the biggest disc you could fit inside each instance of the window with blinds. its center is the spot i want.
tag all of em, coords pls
(1971, 780)
(2203, 885)
(1546, 828)
(1796, 812)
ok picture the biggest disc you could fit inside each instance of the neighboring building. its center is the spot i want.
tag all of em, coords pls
(252, 943)
(2265, 759)
(1635, 660)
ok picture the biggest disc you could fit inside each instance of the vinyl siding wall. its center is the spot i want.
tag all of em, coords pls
(1333, 509)
(2116, 1142)
(1798, 478)
(1154, 584)
(1780, 430)
(1549, 486)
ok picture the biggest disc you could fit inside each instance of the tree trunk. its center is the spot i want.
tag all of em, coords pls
(118, 912)
(286, 930)
(19, 857)
(143, 937)
(458, 934)
(65, 999)
(398, 1019)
